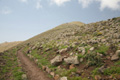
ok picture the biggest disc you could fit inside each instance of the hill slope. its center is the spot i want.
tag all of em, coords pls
(8, 45)
(77, 51)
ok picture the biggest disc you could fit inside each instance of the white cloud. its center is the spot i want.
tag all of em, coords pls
(85, 3)
(24, 1)
(59, 2)
(111, 4)
(38, 5)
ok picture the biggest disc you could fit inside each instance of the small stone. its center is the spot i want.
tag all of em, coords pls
(52, 74)
(92, 48)
(97, 77)
(71, 54)
(44, 68)
(108, 57)
(111, 77)
(79, 72)
(82, 50)
(71, 66)
(62, 50)
(81, 59)
(48, 70)
(36, 60)
(101, 55)
(63, 78)
(101, 69)
(56, 77)
(24, 77)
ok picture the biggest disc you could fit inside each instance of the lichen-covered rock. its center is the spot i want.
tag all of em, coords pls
(57, 60)
(72, 60)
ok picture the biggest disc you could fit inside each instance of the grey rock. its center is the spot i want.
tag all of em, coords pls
(116, 56)
(63, 78)
(72, 60)
(62, 50)
(92, 48)
(57, 60)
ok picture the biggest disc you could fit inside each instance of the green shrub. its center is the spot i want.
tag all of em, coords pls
(97, 34)
(112, 70)
(95, 71)
(93, 59)
(117, 63)
(77, 78)
(80, 56)
(68, 72)
(102, 49)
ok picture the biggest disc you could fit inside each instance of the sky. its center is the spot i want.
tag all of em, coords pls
(23, 19)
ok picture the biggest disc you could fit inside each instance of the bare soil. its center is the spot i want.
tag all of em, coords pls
(32, 70)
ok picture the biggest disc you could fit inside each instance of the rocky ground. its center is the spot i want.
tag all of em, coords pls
(77, 51)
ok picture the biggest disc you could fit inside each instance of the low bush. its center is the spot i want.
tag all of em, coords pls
(93, 59)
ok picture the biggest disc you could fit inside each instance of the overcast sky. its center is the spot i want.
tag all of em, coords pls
(23, 19)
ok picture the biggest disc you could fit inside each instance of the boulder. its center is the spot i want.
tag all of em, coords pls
(57, 60)
(72, 60)
(116, 56)
(63, 78)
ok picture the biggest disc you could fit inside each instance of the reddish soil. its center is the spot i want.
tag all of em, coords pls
(32, 70)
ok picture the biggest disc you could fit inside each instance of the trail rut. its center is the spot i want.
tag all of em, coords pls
(32, 70)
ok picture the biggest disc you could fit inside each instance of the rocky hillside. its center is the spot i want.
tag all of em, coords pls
(7, 45)
(78, 51)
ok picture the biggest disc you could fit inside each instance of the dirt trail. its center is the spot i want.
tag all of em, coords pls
(32, 70)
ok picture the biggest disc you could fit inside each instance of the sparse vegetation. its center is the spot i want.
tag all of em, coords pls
(112, 70)
(102, 49)
(10, 67)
